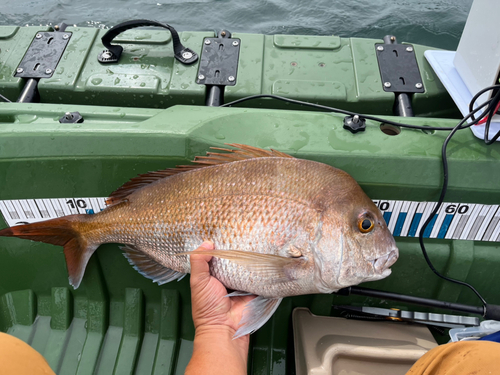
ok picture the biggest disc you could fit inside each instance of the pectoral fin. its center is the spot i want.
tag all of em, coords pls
(278, 268)
(255, 314)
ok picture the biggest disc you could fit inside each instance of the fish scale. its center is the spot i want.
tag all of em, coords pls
(281, 227)
(280, 224)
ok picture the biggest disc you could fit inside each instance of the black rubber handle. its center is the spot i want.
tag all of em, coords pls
(114, 51)
(492, 312)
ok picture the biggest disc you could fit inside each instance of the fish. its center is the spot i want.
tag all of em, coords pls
(282, 226)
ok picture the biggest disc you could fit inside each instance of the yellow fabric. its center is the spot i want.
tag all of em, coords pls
(460, 358)
(18, 358)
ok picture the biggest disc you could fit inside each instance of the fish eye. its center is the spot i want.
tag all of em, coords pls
(365, 225)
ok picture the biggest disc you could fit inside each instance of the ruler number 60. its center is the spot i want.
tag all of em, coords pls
(452, 208)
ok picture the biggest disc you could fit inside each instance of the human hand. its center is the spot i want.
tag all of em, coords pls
(210, 307)
(216, 319)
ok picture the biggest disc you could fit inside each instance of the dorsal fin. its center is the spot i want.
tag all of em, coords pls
(241, 152)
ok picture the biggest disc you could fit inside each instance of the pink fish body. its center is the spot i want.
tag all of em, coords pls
(281, 227)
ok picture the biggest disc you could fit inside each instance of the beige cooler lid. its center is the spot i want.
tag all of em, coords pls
(328, 345)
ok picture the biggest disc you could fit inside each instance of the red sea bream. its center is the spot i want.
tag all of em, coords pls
(281, 227)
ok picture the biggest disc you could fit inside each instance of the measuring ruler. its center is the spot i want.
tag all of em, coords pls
(27, 211)
(461, 221)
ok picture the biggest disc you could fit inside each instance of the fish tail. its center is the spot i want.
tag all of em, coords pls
(63, 231)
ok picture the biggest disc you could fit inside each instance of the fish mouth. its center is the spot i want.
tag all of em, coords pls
(381, 265)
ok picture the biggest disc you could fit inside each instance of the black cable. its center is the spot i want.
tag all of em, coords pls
(336, 110)
(475, 97)
(492, 103)
(5, 99)
(349, 315)
(490, 111)
(490, 114)
(361, 291)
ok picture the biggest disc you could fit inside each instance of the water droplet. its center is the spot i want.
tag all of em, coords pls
(220, 136)
(26, 118)
(96, 81)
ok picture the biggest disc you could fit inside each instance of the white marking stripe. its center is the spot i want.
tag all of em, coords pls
(454, 222)
(439, 221)
(12, 211)
(19, 210)
(477, 222)
(470, 221)
(496, 231)
(484, 226)
(488, 236)
(394, 217)
(409, 218)
(427, 211)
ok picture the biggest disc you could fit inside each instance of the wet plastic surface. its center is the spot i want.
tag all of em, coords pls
(118, 321)
(334, 346)
(329, 70)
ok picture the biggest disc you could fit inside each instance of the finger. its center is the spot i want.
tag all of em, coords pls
(199, 263)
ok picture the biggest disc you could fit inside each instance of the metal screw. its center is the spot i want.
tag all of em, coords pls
(19, 70)
(393, 38)
(223, 33)
(409, 49)
(68, 115)
(355, 119)
(56, 27)
(230, 79)
(235, 43)
(207, 41)
(65, 36)
(38, 36)
(187, 55)
(418, 85)
(387, 84)
(48, 71)
(201, 77)
(380, 48)
(106, 54)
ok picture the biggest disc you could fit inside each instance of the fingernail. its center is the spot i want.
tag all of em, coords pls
(209, 245)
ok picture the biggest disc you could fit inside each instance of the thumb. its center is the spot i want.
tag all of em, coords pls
(199, 264)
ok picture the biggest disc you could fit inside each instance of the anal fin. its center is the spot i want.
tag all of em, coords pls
(238, 293)
(255, 314)
(148, 267)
